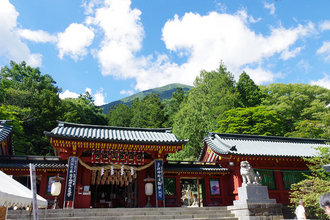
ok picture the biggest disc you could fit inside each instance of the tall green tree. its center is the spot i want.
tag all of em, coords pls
(259, 120)
(148, 112)
(36, 98)
(172, 106)
(249, 93)
(82, 110)
(119, 115)
(213, 94)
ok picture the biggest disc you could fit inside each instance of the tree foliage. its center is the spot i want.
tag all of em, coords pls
(296, 102)
(259, 120)
(37, 104)
(82, 110)
(31, 100)
(120, 115)
(310, 189)
(249, 93)
(213, 94)
(148, 112)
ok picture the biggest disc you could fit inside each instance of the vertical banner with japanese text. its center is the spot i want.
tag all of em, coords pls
(71, 178)
(159, 180)
(33, 182)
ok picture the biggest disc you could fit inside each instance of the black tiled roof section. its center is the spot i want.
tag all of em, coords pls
(101, 133)
(39, 161)
(183, 166)
(5, 130)
(241, 144)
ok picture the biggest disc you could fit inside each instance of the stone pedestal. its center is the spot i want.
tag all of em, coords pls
(254, 204)
(253, 193)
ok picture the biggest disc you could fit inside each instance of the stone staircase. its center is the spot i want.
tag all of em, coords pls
(201, 213)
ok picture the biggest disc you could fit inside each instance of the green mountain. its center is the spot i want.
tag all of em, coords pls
(164, 92)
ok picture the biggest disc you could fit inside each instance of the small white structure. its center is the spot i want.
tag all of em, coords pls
(13, 193)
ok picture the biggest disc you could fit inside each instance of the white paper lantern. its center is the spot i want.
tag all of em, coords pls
(56, 189)
(149, 188)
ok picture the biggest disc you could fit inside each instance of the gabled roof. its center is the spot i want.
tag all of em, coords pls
(101, 133)
(253, 145)
(5, 130)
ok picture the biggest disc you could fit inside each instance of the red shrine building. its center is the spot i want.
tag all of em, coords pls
(108, 167)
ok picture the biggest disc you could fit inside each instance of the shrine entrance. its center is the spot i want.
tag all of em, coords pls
(114, 196)
(192, 192)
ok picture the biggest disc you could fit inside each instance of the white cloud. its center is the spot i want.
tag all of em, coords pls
(260, 75)
(203, 41)
(127, 92)
(324, 26)
(324, 82)
(325, 49)
(39, 36)
(287, 54)
(11, 45)
(99, 97)
(68, 94)
(123, 34)
(74, 41)
(270, 7)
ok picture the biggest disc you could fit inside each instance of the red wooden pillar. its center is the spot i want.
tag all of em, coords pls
(178, 191)
(207, 190)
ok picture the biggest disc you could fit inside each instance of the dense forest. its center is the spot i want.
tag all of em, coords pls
(216, 103)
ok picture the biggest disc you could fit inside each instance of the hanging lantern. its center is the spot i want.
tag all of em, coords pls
(149, 188)
(56, 189)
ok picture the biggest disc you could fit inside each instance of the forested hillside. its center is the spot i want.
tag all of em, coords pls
(164, 93)
(216, 103)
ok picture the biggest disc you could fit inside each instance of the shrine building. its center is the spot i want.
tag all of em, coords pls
(109, 167)
(278, 160)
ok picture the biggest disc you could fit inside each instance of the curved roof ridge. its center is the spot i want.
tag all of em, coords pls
(70, 124)
(269, 138)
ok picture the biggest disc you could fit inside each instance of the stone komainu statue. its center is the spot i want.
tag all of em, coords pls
(248, 174)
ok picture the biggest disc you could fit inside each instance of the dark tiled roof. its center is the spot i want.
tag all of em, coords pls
(39, 161)
(5, 130)
(263, 145)
(109, 134)
(193, 166)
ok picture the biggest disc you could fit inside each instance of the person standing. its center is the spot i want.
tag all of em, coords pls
(300, 210)
(324, 202)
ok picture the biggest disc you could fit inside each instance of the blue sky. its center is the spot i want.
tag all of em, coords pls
(114, 48)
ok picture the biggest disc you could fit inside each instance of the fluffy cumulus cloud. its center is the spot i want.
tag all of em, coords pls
(74, 41)
(39, 36)
(208, 39)
(11, 45)
(203, 41)
(123, 34)
(68, 94)
(324, 82)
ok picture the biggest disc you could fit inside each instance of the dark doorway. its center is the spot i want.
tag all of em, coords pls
(114, 196)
